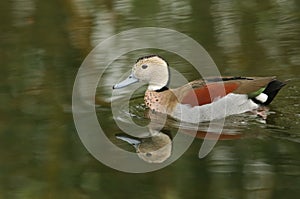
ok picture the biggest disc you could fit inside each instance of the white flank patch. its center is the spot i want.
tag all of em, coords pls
(229, 105)
(262, 97)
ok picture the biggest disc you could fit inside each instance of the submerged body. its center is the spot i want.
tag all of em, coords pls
(200, 100)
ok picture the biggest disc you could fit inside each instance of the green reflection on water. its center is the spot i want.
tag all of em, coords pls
(44, 42)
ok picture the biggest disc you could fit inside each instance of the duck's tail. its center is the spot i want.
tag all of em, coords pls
(269, 93)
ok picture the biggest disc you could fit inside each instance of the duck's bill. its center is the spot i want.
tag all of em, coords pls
(130, 80)
(130, 140)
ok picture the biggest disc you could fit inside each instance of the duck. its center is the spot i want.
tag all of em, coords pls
(200, 100)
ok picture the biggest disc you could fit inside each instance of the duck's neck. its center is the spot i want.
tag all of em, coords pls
(162, 89)
(158, 87)
(154, 87)
(158, 82)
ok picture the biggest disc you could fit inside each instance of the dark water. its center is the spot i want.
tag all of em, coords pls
(43, 43)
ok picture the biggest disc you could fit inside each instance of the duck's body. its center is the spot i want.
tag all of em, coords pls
(200, 100)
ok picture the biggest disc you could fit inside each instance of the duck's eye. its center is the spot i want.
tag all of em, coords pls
(148, 154)
(144, 66)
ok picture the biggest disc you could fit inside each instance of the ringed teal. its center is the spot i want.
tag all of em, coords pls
(200, 100)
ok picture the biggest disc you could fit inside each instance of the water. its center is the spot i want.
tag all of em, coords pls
(44, 43)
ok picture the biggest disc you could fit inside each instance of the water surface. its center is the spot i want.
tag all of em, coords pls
(43, 43)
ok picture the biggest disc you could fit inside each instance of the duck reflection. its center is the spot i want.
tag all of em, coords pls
(156, 148)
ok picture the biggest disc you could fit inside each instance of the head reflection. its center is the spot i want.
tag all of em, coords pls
(155, 148)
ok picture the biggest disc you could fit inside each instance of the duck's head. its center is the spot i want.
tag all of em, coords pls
(154, 149)
(152, 70)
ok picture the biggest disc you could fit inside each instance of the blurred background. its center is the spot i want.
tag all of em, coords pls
(43, 44)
